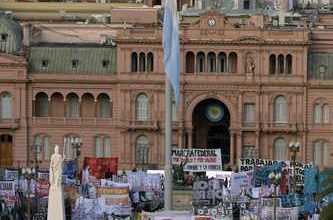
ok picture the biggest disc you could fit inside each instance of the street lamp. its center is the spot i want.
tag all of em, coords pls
(29, 174)
(76, 143)
(276, 181)
(294, 149)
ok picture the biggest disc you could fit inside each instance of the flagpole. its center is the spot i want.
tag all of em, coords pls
(168, 140)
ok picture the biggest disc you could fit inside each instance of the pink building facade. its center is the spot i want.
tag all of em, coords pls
(105, 85)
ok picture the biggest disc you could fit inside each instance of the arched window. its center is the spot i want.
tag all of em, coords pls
(289, 64)
(320, 153)
(6, 105)
(222, 62)
(142, 107)
(150, 62)
(280, 110)
(87, 106)
(141, 150)
(280, 149)
(317, 114)
(104, 106)
(134, 63)
(232, 62)
(70, 151)
(102, 146)
(42, 147)
(211, 60)
(42, 105)
(326, 114)
(57, 105)
(272, 64)
(321, 114)
(142, 62)
(73, 106)
(190, 62)
(200, 62)
(280, 64)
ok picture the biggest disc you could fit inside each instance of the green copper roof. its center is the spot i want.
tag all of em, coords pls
(10, 36)
(72, 59)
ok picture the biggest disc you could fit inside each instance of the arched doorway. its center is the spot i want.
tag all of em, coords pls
(6, 145)
(211, 122)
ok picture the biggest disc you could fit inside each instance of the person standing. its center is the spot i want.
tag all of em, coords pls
(85, 182)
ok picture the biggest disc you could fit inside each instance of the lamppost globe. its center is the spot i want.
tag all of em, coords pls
(291, 144)
(23, 170)
(271, 176)
(278, 176)
(297, 145)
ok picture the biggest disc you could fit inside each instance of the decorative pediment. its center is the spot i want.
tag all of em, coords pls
(210, 19)
(11, 60)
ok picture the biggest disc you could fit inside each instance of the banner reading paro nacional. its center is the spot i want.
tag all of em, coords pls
(198, 160)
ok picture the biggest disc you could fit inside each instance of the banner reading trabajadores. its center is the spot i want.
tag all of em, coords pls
(198, 160)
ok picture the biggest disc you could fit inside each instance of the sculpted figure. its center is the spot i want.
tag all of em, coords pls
(56, 168)
(56, 209)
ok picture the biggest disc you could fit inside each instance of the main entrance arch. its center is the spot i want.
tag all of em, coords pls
(211, 122)
(6, 145)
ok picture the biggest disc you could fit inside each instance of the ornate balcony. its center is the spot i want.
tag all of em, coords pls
(10, 123)
(70, 121)
(147, 125)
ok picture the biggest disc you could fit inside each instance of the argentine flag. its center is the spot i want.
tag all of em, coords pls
(171, 46)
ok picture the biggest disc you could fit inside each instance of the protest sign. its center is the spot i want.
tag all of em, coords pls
(70, 168)
(43, 187)
(207, 192)
(172, 215)
(247, 164)
(281, 213)
(7, 188)
(240, 181)
(11, 175)
(198, 160)
(220, 211)
(43, 175)
(142, 181)
(100, 165)
(115, 195)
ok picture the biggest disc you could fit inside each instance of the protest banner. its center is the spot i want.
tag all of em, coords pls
(247, 164)
(70, 168)
(281, 213)
(142, 181)
(173, 215)
(7, 188)
(43, 187)
(115, 195)
(207, 192)
(43, 175)
(220, 211)
(198, 160)
(100, 165)
(240, 181)
(11, 175)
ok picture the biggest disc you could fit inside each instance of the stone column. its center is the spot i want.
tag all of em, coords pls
(190, 144)
(239, 146)
(257, 144)
(232, 148)
(49, 112)
(96, 105)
